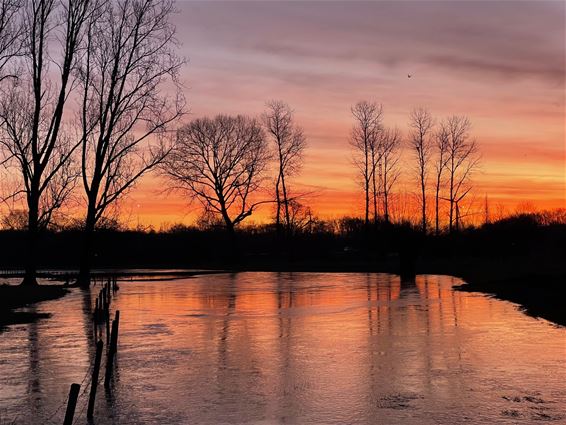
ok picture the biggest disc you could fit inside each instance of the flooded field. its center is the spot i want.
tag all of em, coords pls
(301, 348)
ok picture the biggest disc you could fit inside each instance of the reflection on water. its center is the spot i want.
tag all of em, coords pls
(292, 348)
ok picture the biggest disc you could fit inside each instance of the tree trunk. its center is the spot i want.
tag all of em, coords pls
(374, 193)
(437, 203)
(227, 221)
(452, 168)
(385, 196)
(436, 220)
(386, 207)
(366, 179)
(278, 211)
(86, 249)
(366, 221)
(423, 190)
(30, 277)
(286, 204)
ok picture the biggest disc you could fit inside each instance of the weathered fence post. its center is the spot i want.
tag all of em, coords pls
(100, 307)
(114, 340)
(71, 404)
(94, 383)
(107, 320)
(112, 349)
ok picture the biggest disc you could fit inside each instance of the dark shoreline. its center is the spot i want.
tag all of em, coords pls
(539, 294)
(13, 297)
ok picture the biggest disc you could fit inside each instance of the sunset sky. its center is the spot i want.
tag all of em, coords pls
(501, 63)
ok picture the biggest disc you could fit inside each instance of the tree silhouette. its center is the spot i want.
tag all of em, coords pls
(390, 145)
(462, 161)
(32, 108)
(420, 142)
(290, 144)
(129, 58)
(220, 162)
(364, 140)
(441, 143)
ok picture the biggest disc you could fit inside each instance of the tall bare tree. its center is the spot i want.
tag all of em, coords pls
(420, 142)
(220, 162)
(32, 110)
(462, 160)
(364, 142)
(441, 144)
(128, 65)
(289, 141)
(390, 154)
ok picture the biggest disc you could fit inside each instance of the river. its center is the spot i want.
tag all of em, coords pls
(296, 348)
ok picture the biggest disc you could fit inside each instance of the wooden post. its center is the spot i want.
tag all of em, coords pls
(72, 404)
(96, 310)
(107, 320)
(112, 349)
(101, 306)
(114, 341)
(94, 382)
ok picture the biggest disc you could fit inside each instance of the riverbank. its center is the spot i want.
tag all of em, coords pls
(540, 295)
(13, 297)
(537, 285)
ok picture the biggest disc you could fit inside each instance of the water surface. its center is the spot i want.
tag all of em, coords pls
(301, 348)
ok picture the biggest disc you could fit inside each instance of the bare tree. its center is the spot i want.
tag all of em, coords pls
(462, 161)
(220, 162)
(390, 148)
(290, 142)
(32, 110)
(376, 155)
(364, 141)
(129, 59)
(11, 36)
(442, 141)
(420, 142)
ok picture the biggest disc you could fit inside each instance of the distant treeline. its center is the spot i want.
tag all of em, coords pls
(345, 244)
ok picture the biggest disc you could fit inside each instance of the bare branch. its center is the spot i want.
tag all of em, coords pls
(220, 161)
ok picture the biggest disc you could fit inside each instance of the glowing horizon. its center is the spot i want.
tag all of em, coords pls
(499, 63)
(502, 64)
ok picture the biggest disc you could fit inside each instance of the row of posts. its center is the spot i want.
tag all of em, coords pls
(101, 315)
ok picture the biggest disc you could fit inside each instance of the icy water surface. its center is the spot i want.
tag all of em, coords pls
(302, 348)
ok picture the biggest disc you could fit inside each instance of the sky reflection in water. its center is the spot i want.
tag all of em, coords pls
(292, 348)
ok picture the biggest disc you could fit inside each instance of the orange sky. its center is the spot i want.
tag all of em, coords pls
(500, 63)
